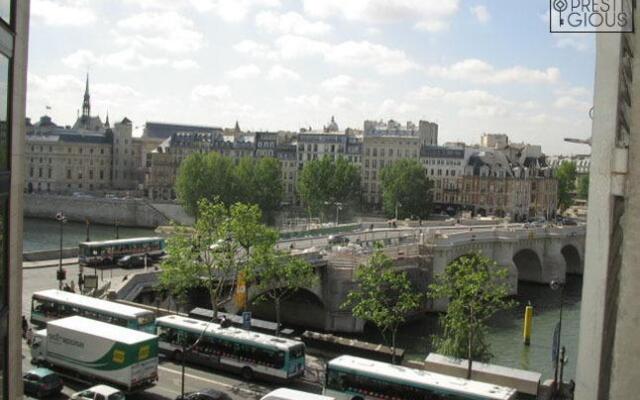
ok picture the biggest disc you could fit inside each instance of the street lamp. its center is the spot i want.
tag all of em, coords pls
(338, 208)
(61, 275)
(397, 206)
(558, 350)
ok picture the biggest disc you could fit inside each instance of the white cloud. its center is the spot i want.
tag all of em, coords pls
(233, 10)
(478, 71)
(580, 42)
(473, 103)
(290, 22)
(341, 102)
(255, 49)
(428, 15)
(185, 64)
(481, 13)
(391, 107)
(350, 53)
(244, 72)
(304, 100)
(278, 72)
(166, 31)
(128, 59)
(346, 83)
(207, 92)
(574, 91)
(570, 102)
(63, 12)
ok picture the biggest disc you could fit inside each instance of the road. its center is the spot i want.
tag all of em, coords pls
(169, 384)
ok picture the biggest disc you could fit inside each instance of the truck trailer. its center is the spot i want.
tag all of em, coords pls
(98, 352)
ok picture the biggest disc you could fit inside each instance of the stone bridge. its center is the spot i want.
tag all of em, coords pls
(537, 255)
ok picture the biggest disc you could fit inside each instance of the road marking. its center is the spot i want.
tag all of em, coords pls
(226, 385)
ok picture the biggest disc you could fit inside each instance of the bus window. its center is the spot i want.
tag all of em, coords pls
(297, 351)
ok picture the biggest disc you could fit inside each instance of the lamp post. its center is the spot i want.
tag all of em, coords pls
(61, 275)
(558, 355)
(397, 206)
(338, 208)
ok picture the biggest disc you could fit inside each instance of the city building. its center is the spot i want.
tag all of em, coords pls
(14, 31)
(609, 349)
(494, 140)
(91, 156)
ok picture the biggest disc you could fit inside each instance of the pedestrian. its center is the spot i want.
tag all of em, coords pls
(25, 327)
(29, 336)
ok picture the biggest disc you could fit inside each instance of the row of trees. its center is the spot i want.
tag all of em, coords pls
(474, 285)
(405, 188)
(323, 185)
(213, 176)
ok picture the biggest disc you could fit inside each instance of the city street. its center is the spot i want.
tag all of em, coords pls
(169, 384)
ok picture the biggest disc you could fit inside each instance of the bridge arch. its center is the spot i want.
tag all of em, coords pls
(572, 259)
(301, 308)
(529, 265)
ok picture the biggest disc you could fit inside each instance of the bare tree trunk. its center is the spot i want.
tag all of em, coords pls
(277, 299)
(393, 345)
(469, 353)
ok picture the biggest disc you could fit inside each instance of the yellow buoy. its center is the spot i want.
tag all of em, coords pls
(528, 319)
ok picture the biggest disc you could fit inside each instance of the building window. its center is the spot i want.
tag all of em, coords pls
(39, 172)
(91, 174)
(68, 174)
(101, 174)
(49, 173)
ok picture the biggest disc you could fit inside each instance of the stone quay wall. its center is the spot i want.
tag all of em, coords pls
(127, 212)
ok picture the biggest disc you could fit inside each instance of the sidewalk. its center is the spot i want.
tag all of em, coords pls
(49, 263)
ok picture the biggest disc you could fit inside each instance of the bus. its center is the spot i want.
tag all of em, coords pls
(108, 252)
(354, 378)
(48, 305)
(290, 394)
(249, 353)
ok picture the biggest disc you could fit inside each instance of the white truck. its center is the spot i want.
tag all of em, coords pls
(98, 352)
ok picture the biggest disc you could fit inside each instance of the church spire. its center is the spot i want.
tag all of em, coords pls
(86, 103)
(106, 122)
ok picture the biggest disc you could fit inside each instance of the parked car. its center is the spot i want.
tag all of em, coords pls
(42, 382)
(338, 239)
(99, 392)
(205, 394)
(132, 261)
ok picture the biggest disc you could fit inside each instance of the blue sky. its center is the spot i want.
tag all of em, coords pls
(472, 66)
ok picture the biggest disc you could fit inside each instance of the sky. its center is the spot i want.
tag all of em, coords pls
(471, 66)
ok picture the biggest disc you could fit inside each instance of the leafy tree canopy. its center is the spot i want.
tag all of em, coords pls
(566, 175)
(406, 188)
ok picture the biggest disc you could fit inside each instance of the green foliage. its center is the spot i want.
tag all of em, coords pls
(328, 181)
(566, 175)
(278, 275)
(405, 187)
(208, 255)
(476, 288)
(383, 296)
(583, 187)
(213, 176)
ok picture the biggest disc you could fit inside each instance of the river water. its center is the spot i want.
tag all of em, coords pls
(505, 334)
(44, 234)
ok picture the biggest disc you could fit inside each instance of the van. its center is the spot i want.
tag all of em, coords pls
(290, 394)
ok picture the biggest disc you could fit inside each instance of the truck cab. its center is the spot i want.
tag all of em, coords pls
(38, 346)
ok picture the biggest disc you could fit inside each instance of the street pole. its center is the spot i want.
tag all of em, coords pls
(61, 275)
(556, 383)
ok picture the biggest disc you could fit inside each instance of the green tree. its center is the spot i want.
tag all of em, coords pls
(259, 182)
(325, 182)
(566, 175)
(204, 176)
(383, 296)
(277, 275)
(476, 288)
(583, 187)
(406, 190)
(205, 257)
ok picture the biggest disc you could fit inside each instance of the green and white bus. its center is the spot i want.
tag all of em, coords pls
(249, 353)
(108, 252)
(52, 304)
(354, 378)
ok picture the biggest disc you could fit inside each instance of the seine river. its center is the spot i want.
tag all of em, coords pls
(505, 333)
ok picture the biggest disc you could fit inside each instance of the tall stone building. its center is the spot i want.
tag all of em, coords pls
(607, 366)
(91, 156)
